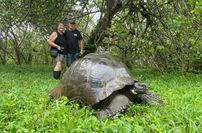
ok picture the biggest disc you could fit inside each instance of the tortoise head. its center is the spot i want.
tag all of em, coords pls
(139, 88)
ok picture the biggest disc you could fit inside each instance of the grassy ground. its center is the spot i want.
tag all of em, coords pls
(25, 105)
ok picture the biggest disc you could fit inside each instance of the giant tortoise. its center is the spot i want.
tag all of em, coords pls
(104, 83)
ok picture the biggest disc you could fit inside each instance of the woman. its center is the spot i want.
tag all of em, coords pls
(57, 42)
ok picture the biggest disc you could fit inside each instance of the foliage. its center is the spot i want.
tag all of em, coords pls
(162, 35)
(26, 107)
(158, 34)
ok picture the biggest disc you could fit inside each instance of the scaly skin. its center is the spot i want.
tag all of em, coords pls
(118, 104)
(149, 98)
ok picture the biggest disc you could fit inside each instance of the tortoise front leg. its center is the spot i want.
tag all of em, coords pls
(118, 104)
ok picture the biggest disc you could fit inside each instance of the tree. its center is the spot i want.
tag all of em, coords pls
(160, 34)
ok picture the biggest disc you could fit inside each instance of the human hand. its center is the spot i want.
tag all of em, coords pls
(82, 52)
(59, 48)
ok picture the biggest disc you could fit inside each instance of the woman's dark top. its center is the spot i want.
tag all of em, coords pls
(60, 40)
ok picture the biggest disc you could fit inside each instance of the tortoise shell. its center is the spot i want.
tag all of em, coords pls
(95, 77)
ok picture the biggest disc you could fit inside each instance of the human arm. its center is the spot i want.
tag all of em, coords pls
(52, 39)
(81, 45)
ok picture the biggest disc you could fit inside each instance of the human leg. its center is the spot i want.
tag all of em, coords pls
(75, 56)
(57, 70)
(58, 66)
(68, 60)
(71, 57)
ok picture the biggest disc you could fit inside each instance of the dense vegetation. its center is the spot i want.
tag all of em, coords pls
(162, 34)
(162, 37)
(26, 107)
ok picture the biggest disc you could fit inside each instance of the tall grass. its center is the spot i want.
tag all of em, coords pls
(26, 107)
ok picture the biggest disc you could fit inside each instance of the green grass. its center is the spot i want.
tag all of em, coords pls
(26, 107)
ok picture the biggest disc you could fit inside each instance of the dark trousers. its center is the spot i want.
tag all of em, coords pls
(71, 57)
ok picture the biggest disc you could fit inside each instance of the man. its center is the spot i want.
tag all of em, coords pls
(74, 41)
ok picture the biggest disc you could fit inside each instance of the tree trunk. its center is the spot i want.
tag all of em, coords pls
(17, 53)
(3, 55)
(46, 61)
(30, 56)
(98, 34)
(16, 47)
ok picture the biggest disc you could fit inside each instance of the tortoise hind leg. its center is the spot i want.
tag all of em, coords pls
(56, 92)
(118, 104)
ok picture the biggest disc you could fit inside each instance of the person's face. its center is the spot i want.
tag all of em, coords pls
(72, 26)
(61, 27)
